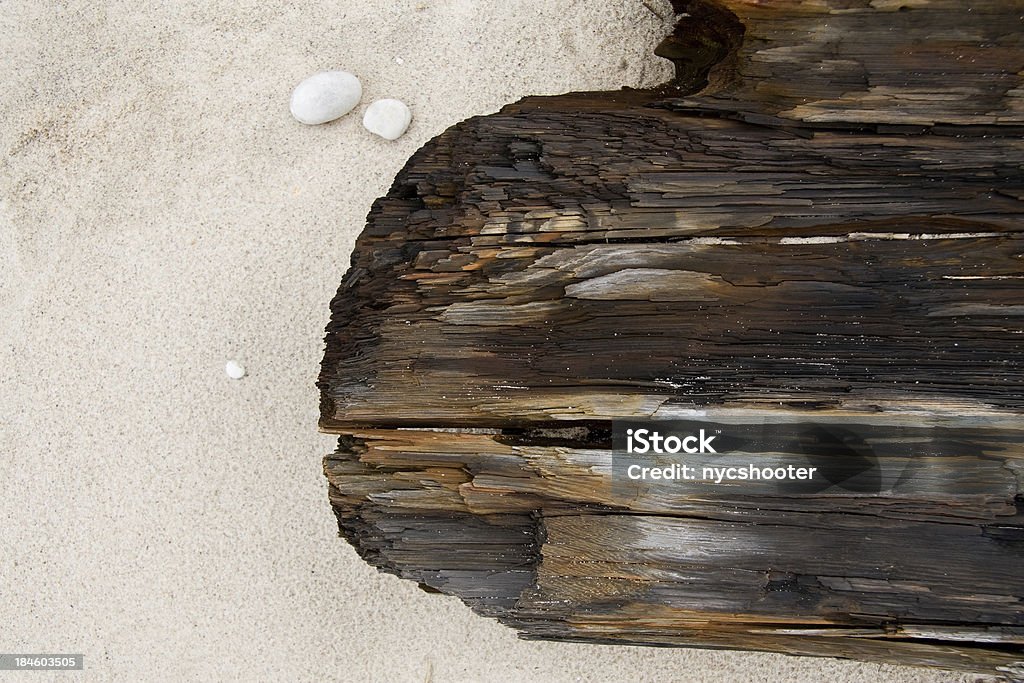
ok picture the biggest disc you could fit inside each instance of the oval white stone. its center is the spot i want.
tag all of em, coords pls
(325, 96)
(234, 370)
(387, 118)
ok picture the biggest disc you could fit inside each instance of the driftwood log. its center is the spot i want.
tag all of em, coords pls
(818, 219)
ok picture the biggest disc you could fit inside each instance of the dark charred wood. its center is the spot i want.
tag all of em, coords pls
(818, 219)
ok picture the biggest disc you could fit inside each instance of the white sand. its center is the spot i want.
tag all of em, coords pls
(161, 213)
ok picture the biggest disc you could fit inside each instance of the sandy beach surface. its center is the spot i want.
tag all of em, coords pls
(162, 213)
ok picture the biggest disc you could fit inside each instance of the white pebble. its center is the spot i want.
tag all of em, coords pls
(325, 96)
(387, 118)
(234, 369)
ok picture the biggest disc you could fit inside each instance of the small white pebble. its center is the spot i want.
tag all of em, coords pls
(387, 118)
(399, 61)
(325, 96)
(234, 369)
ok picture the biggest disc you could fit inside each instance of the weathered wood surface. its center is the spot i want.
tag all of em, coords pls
(829, 230)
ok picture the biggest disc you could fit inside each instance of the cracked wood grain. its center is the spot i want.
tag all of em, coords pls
(818, 219)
